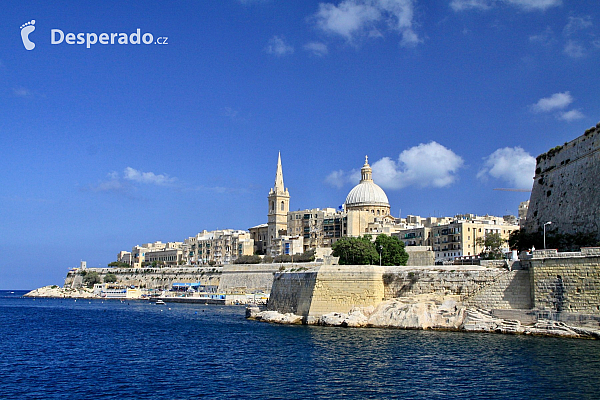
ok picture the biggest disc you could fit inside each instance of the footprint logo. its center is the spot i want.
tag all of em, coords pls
(26, 29)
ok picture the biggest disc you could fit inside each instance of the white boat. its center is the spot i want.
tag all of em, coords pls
(160, 302)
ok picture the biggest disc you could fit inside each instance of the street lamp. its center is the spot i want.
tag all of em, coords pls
(547, 223)
(380, 250)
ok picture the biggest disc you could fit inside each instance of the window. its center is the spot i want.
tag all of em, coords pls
(282, 206)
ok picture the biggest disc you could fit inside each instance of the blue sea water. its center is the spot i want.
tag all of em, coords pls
(67, 349)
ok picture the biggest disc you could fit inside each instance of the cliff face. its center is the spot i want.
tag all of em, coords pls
(565, 190)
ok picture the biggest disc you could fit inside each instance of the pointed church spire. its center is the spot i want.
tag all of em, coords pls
(279, 188)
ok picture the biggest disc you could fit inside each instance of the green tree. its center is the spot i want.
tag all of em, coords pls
(267, 259)
(254, 259)
(91, 278)
(284, 258)
(492, 246)
(392, 250)
(522, 240)
(355, 251)
(119, 264)
(307, 256)
(110, 278)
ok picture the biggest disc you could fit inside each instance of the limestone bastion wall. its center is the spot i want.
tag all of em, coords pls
(482, 287)
(252, 278)
(235, 278)
(566, 282)
(338, 288)
(565, 187)
(326, 289)
(151, 278)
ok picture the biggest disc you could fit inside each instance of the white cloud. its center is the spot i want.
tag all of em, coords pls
(425, 165)
(278, 47)
(134, 175)
(337, 178)
(571, 115)
(577, 24)
(526, 5)
(111, 185)
(317, 48)
(22, 92)
(574, 49)
(555, 102)
(229, 112)
(512, 165)
(355, 20)
(535, 4)
(545, 38)
(460, 5)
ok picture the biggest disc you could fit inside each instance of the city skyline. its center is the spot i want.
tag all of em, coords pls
(115, 145)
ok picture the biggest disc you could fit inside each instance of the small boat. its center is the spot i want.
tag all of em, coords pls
(159, 302)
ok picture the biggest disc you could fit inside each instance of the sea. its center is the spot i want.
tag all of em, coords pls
(112, 349)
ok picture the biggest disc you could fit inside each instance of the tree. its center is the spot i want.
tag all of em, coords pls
(492, 246)
(355, 251)
(392, 250)
(267, 260)
(307, 256)
(522, 240)
(110, 278)
(284, 258)
(91, 278)
(119, 264)
(254, 259)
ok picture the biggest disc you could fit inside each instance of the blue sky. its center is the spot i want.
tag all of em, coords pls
(115, 145)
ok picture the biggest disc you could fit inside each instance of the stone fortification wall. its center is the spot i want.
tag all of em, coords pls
(339, 288)
(292, 292)
(478, 286)
(565, 188)
(342, 287)
(566, 282)
(328, 288)
(419, 255)
(508, 290)
(151, 278)
(252, 278)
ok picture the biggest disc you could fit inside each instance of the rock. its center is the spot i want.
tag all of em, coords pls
(419, 313)
(355, 318)
(276, 317)
(58, 292)
(252, 312)
(478, 320)
(554, 328)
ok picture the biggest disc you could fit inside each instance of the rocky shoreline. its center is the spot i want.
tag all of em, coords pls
(55, 291)
(427, 312)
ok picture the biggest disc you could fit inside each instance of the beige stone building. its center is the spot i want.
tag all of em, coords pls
(456, 237)
(219, 247)
(138, 253)
(259, 234)
(318, 227)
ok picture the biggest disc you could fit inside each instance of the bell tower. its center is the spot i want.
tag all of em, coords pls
(279, 206)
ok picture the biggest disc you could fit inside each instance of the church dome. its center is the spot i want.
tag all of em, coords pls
(366, 193)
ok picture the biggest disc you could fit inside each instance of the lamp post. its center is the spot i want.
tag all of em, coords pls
(547, 223)
(380, 251)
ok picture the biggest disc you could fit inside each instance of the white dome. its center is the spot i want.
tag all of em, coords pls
(367, 193)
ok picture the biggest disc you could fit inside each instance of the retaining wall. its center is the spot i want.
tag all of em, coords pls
(566, 282)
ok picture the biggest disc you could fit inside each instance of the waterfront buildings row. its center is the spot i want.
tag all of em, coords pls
(365, 211)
